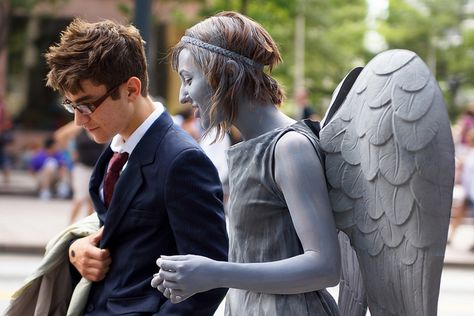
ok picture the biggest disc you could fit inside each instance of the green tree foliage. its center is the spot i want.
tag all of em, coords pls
(334, 32)
(8, 6)
(438, 31)
(334, 36)
(12, 37)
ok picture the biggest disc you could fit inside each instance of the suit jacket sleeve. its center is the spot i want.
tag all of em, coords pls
(195, 211)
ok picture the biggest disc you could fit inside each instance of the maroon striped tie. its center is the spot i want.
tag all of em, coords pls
(113, 172)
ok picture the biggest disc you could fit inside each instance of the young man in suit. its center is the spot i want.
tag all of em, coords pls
(167, 199)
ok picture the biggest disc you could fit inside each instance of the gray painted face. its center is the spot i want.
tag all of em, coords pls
(195, 88)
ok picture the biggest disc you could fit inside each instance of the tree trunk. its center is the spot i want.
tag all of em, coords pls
(244, 4)
(299, 48)
(4, 23)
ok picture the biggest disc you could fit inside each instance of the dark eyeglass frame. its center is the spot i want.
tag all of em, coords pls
(88, 108)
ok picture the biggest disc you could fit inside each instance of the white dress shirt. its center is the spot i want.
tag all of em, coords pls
(119, 145)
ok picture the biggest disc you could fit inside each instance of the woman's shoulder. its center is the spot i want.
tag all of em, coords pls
(293, 143)
(297, 137)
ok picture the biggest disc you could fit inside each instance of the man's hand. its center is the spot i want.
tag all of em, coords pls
(91, 261)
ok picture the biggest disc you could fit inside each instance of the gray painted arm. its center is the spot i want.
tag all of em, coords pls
(301, 180)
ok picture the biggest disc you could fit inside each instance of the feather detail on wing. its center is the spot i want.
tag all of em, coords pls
(390, 170)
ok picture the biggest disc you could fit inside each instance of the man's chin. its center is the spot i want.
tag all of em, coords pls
(101, 140)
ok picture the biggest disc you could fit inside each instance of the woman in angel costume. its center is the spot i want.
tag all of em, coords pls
(385, 149)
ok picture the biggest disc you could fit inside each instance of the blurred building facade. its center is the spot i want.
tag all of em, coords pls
(31, 32)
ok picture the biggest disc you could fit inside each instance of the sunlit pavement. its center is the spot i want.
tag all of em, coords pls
(27, 224)
(15, 268)
(456, 295)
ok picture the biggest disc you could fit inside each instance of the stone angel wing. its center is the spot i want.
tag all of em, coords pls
(390, 172)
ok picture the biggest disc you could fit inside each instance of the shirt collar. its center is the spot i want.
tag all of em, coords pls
(119, 145)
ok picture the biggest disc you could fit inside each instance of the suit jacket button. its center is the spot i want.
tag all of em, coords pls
(90, 308)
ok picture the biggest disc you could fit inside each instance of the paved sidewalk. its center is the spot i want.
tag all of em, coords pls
(21, 183)
(28, 223)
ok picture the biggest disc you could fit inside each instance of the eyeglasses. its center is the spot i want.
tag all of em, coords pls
(88, 108)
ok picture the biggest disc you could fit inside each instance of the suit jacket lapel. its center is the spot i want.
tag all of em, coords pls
(96, 180)
(132, 178)
(127, 186)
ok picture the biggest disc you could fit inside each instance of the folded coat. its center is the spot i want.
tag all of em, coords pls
(48, 290)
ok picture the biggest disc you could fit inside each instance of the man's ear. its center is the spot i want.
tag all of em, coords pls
(232, 70)
(134, 86)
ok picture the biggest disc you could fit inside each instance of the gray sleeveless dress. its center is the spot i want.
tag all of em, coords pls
(261, 230)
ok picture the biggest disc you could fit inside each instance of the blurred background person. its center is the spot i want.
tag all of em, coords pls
(50, 167)
(305, 110)
(216, 151)
(27, 152)
(84, 153)
(463, 193)
(6, 137)
(189, 123)
(463, 199)
(465, 125)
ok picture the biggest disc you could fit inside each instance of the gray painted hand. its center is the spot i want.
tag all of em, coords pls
(183, 276)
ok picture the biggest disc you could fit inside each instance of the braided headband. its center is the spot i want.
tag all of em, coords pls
(220, 50)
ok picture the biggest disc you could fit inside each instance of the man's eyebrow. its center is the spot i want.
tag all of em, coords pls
(83, 98)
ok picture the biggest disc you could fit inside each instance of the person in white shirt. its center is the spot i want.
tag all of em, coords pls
(154, 189)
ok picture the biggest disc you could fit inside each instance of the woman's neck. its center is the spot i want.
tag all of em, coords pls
(255, 119)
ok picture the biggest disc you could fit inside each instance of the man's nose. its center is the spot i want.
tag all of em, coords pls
(80, 119)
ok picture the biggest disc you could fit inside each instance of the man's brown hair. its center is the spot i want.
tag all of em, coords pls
(104, 52)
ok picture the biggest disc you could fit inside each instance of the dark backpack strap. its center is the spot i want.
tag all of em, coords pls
(314, 126)
(344, 89)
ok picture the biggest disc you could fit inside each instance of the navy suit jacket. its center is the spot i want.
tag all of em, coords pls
(168, 200)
